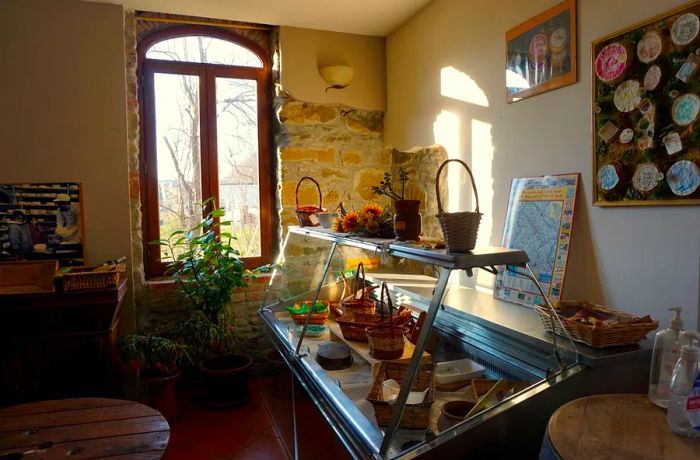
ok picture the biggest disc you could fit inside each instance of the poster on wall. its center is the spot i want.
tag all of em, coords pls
(646, 107)
(541, 53)
(41, 221)
(539, 221)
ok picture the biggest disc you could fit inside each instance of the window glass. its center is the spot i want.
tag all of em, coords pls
(207, 50)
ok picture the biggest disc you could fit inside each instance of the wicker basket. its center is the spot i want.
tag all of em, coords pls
(362, 304)
(85, 278)
(629, 330)
(316, 318)
(354, 326)
(307, 214)
(414, 415)
(386, 340)
(482, 386)
(459, 228)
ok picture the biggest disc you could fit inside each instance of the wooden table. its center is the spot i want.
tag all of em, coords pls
(622, 426)
(83, 428)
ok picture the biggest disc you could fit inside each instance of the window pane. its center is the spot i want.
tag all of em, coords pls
(237, 146)
(203, 49)
(177, 152)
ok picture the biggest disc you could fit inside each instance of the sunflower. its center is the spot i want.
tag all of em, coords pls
(371, 211)
(338, 224)
(351, 221)
(372, 227)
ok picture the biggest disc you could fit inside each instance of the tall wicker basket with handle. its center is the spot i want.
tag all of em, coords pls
(358, 301)
(386, 340)
(307, 214)
(459, 228)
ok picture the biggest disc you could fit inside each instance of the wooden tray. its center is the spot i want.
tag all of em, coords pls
(27, 277)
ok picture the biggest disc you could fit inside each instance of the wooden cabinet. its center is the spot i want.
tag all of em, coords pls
(58, 345)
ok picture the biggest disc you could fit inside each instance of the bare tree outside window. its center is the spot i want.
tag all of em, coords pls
(179, 147)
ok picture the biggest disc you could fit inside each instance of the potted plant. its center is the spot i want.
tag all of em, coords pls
(407, 219)
(207, 270)
(159, 361)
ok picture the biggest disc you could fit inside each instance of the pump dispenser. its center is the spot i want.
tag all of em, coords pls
(667, 347)
(684, 406)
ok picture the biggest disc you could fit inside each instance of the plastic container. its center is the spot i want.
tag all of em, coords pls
(461, 370)
(684, 406)
(667, 351)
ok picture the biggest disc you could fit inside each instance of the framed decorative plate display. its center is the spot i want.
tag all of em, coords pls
(646, 109)
(541, 52)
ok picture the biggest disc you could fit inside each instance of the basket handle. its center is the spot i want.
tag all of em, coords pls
(318, 187)
(390, 306)
(437, 183)
(360, 269)
(345, 286)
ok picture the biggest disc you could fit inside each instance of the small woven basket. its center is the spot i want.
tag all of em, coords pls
(86, 278)
(318, 318)
(414, 415)
(307, 214)
(459, 228)
(362, 304)
(386, 340)
(629, 330)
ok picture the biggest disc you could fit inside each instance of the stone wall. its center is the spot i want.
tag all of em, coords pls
(340, 147)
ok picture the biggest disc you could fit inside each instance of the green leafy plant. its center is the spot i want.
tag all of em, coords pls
(386, 186)
(207, 269)
(153, 355)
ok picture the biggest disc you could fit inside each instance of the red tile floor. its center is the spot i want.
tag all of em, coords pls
(257, 431)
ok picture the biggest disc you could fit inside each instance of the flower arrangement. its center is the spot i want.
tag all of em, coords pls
(371, 220)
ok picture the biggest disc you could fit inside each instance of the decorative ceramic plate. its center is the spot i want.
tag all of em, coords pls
(608, 178)
(626, 136)
(646, 177)
(627, 96)
(652, 78)
(612, 62)
(557, 40)
(538, 48)
(685, 29)
(683, 177)
(649, 47)
(685, 109)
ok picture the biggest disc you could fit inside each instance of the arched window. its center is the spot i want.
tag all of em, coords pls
(205, 132)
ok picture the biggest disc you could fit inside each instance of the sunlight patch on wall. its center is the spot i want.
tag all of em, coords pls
(446, 130)
(460, 86)
(482, 168)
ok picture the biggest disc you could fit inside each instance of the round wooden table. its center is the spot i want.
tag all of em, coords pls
(82, 428)
(621, 426)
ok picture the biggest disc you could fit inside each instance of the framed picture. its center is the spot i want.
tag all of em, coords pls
(539, 221)
(645, 110)
(41, 221)
(541, 53)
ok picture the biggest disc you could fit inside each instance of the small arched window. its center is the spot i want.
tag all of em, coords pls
(205, 133)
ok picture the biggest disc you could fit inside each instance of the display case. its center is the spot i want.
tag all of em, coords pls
(504, 342)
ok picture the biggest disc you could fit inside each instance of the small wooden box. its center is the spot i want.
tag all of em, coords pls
(27, 277)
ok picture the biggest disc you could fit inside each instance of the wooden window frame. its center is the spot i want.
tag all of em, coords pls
(207, 74)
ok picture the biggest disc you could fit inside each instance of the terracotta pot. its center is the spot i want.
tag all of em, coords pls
(452, 413)
(162, 396)
(226, 380)
(407, 220)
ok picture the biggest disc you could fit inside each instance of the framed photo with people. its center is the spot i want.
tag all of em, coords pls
(42, 221)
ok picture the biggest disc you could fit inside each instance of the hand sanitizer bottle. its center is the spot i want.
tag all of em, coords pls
(667, 350)
(684, 406)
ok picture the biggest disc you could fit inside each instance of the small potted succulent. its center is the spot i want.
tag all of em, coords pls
(207, 269)
(407, 220)
(159, 361)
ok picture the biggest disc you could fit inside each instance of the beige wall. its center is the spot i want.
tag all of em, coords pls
(305, 50)
(641, 259)
(63, 111)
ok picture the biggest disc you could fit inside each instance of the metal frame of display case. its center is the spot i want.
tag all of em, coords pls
(486, 258)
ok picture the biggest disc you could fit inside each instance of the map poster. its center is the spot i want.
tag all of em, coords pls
(539, 221)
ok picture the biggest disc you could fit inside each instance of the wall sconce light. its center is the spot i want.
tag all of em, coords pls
(337, 76)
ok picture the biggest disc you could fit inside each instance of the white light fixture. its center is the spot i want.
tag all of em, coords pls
(337, 76)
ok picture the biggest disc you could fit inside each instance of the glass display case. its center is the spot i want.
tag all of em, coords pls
(533, 372)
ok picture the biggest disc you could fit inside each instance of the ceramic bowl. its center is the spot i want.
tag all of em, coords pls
(391, 388)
